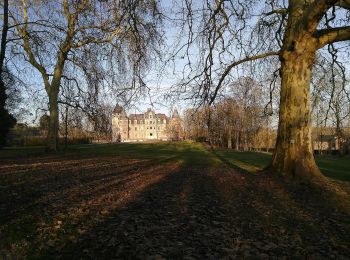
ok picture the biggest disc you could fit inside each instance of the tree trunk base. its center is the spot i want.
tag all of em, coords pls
(303, 171)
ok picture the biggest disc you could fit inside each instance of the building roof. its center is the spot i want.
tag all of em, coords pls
(161, 116)
(136, 116)
(139, 117)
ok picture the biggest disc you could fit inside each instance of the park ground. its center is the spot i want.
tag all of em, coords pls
(167, 200)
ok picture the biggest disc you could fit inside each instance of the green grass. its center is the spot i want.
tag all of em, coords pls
(190, 154)
(334, 167)
(246, 161)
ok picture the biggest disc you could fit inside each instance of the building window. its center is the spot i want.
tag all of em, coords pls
(135, 128)
(150, 127)
(150, 134)
(158, 128)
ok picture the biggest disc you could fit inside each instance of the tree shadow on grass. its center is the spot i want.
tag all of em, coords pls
(154, 208)
(235, 164)
(38, 200)
(209, 213)
(179, 216)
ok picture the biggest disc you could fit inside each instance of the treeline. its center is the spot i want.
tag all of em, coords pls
(239, 121)
(76, 127)
(243, 119)
(229, 124)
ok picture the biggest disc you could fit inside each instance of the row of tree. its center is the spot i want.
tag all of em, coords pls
(238, 121)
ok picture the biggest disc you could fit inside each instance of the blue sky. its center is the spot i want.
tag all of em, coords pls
(160, 80)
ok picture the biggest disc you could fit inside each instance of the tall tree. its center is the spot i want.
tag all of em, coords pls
(55, 34)
(7, 120)
(293, 32)
(293, 155)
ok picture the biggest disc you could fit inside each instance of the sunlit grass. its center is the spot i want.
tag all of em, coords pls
(332, 166)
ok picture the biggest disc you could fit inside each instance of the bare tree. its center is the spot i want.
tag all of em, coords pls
(330, 103)
(236, 32)
(56, 35)
(237, 121)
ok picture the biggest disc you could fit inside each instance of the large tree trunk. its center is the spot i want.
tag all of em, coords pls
(293, 156)
(52, 136)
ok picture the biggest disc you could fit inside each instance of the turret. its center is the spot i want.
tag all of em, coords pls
(119, 124)
(175, 114)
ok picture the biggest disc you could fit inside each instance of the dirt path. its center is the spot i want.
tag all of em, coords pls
(112, 207)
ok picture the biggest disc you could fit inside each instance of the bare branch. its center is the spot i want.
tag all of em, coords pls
(26, 46)
(327, 36)
(314, 13)
(277, 11)
(234, 64)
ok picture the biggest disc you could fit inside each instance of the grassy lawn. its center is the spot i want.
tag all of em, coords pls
(334, 167)
(189, 154)
(104, 198)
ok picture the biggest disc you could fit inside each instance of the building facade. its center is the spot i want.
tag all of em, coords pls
(144, 127)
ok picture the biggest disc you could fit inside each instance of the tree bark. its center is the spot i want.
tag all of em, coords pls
(52, 136)
(293, 156)
(66, 129)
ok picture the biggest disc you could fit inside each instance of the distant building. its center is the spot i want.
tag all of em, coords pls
(325, 139)
(144, 127)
